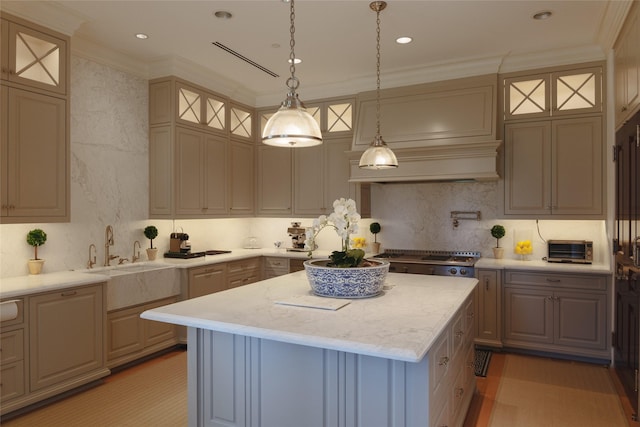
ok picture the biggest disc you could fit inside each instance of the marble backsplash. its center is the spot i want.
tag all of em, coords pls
(109, 186)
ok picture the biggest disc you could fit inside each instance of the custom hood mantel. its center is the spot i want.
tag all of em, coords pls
(443, 131)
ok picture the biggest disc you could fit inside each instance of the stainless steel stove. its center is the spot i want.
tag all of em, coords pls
(437, 263)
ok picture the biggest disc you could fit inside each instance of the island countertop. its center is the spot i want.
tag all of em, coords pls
(401, 323)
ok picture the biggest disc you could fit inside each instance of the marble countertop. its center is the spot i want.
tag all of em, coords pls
(401, 323)
(26, 285)
(538, 264)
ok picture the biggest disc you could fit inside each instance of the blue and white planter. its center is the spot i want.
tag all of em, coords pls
(357, 282)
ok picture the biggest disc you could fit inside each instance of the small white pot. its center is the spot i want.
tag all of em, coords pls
(35, 266)
(498, 253)
(152, 253)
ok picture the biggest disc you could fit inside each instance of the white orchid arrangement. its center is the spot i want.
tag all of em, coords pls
(344, 220)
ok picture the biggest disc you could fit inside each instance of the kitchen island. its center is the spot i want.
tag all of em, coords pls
(257, 356)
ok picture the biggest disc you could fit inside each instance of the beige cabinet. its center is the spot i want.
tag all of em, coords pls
(554, 312)
(489, 300)
(34, 56)
(129, 337)
(206, 280)
(201, 174)
(275, 266)
(554, 168)
(13, 349)
(34, 136)
(66, 341)
(244, 272)
(201, 153)
(627, 67)
(555, 93)
(242, 178)
(275, 181)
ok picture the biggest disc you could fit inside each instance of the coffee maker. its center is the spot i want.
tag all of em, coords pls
(298, 236)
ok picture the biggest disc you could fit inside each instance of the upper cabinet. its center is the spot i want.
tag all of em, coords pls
(201, 153)
(34, 112)
(627, 67)
(553, 94)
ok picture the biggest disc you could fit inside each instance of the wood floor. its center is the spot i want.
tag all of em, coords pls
(77, 410)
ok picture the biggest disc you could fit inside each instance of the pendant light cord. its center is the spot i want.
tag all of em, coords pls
(292, 82)
(377, 71)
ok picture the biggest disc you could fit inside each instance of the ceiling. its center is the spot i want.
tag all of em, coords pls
(335, 39)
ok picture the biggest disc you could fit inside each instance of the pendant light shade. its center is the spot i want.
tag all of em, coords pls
(378, 155)
(292, 125)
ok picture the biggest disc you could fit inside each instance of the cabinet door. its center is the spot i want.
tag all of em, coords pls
(124, 333)
(489, 307)
(336, 173)
(207, 280)
(308, 187)
(627, 67)
(527, 96)
(527, 168)
(577, 166)
(160, 172)
(66, 335)
(37, 181)
(37, 59)
(577, 91)
(190, 172)
(242, 179)
(580, 320)
(528, 315)
(274, 180)
(215, 177)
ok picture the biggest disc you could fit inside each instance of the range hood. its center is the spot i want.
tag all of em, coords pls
(443, 131)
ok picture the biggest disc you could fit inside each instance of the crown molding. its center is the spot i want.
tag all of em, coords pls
(49, 14)
(553, 58)
(612, 22)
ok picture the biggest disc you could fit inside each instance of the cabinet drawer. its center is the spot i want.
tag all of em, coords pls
(20, 316)
(276, 264)
(243, 266)
(558, 280)
(11, 346)
(12, 381)
(439, 361)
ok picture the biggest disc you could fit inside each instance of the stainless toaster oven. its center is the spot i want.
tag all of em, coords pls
(572, 251)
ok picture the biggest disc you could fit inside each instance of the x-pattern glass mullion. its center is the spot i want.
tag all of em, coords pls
(240, 122)
(575, 91)
(189, 107)
(340, 121)
(527, 96)
(25, 41)
(215, 114)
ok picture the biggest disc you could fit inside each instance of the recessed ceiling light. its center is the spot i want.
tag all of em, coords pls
(295, 61)
(542, 15)
(142, 36)
(404, 40)
(223, 14)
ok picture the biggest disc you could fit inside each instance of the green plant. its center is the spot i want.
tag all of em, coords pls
(375, 228)
(35, 238)
(498, 232)
(151, 232)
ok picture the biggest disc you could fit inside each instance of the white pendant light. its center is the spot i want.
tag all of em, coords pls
(378, 155)
(292, 125)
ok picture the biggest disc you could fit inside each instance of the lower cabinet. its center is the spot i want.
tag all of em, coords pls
(130, 337)
(244, 272)
(206, 280)
(489, 308)
(275, 266)
(555, 312)
(296, 264)
(55, 344)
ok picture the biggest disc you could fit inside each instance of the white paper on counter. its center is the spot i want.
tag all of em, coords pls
(312, 301)
(8, 310)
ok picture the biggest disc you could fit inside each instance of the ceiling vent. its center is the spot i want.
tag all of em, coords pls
(245, 59)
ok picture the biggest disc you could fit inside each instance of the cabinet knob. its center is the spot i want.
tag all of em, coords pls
(444, 361)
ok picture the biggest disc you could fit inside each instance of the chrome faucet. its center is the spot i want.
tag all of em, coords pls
(108, 241)
(91, 261)
(136, 255)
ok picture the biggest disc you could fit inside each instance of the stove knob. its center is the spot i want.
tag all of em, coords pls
(453, 271)
(463, 271)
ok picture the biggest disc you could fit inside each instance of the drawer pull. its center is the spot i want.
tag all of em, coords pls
(68, 293)
(553, 280)
(459, 392)
(444, 361)
(459, 334)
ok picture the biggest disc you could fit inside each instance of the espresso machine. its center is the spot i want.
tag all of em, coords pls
(298, 236)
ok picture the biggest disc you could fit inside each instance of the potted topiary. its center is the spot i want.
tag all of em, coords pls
(151, 232)
(35, 238)
(375, 228)
(498, 232)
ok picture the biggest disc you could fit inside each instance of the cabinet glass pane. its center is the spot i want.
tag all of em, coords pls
(189, 105)
(37, 59)
(240, 122)
(339, 117)
(264, 118)
(576, 91)
(315, 113)
(215, 113)
(527, 97)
